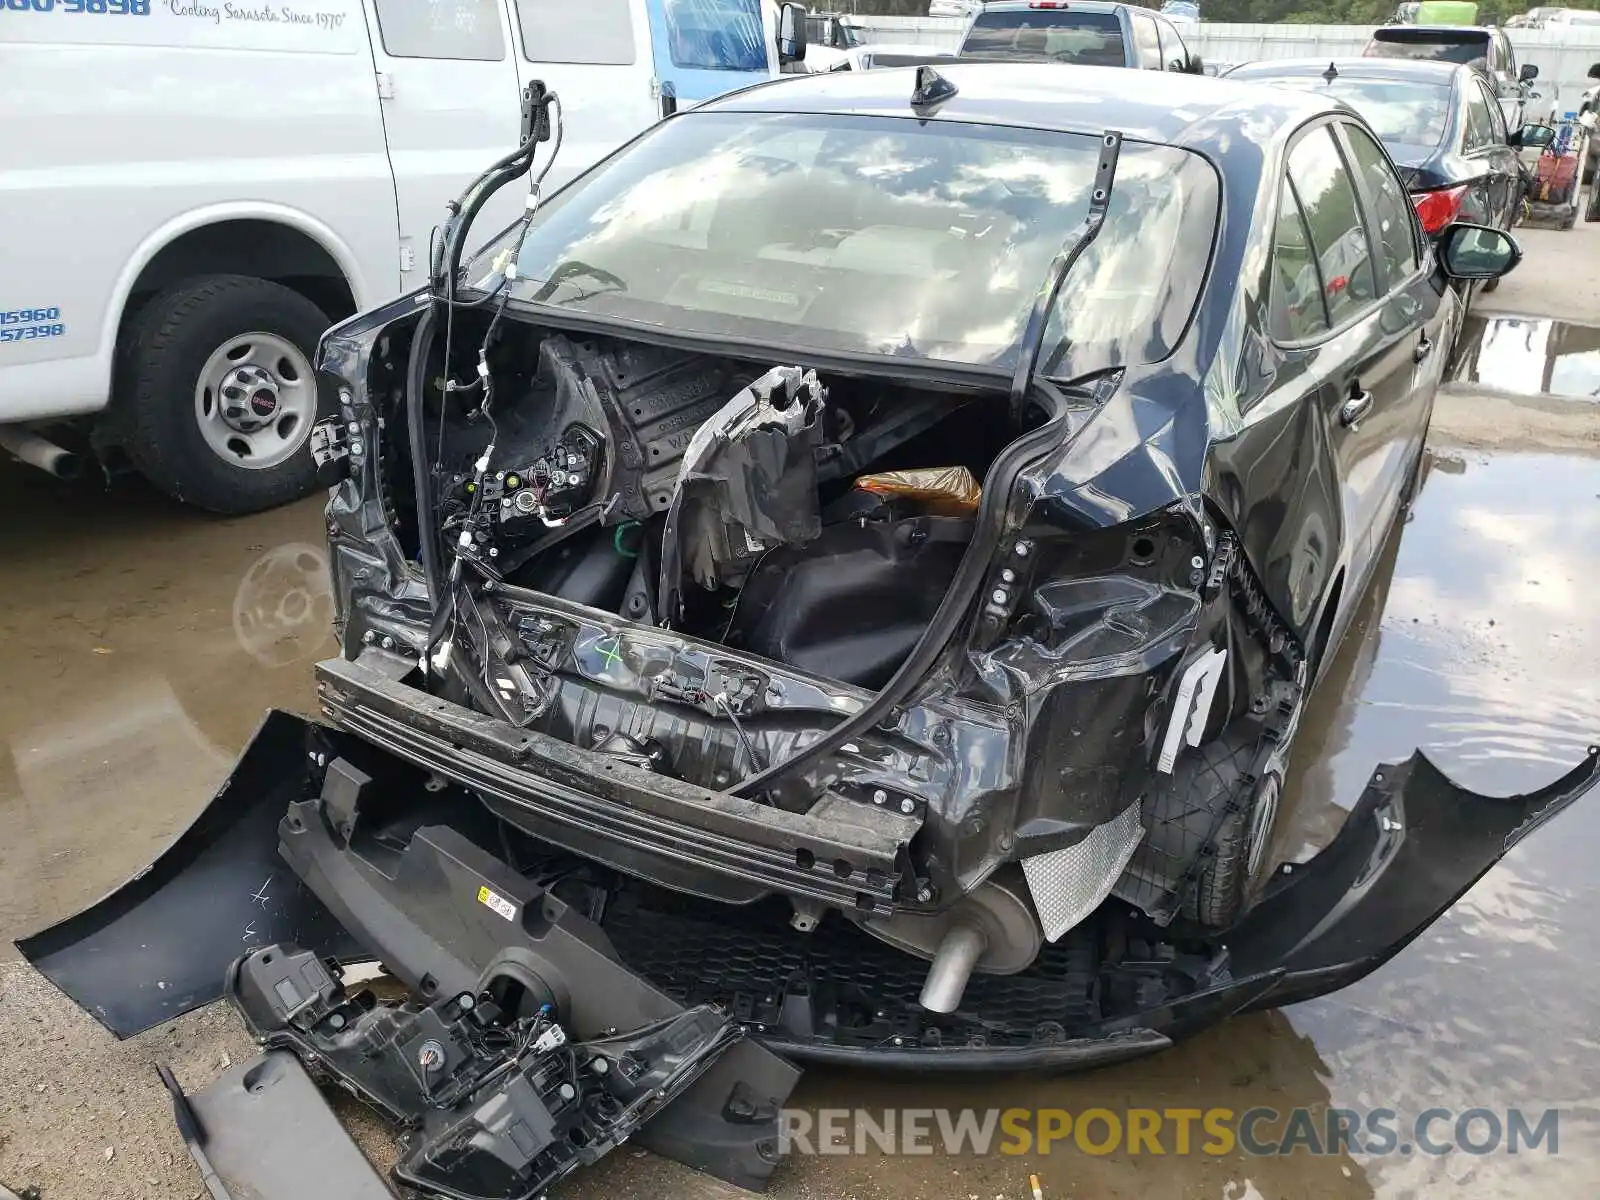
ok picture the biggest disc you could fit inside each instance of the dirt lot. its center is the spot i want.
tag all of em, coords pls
(141, 642)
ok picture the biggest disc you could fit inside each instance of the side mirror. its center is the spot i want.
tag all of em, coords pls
(1532, 137)
(1594, 71)
(669, 99)
(1476, 251)
(1196, 67)
(1528, 73)
(792, 33)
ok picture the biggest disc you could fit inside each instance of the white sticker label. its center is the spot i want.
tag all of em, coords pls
(497, 902)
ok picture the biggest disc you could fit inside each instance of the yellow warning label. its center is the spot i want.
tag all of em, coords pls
(498, 903)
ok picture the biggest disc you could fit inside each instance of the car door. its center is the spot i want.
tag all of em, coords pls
(1414, 340)
(1503, 166)
(1369, 412)
(450, 100)
(1174, 54)
(595, 56)
(1483, 147)
(1509, 92)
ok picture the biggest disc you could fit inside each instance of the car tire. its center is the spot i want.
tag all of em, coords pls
(216, 393)
(1181, 815)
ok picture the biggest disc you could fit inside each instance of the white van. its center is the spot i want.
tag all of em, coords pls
(200, 187)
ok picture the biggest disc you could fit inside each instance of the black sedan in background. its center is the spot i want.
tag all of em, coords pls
(1439, 122)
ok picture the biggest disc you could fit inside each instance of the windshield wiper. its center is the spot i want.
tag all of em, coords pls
(1077, 242)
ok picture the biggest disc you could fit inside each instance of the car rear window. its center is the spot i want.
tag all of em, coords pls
(878, 235)
(1433, 45)
(1398, 110)
(1088, 38)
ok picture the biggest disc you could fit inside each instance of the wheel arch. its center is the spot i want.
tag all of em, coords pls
(1327, 624)
(270, 241)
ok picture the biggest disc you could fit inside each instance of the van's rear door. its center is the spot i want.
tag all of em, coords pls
(595, 55)
(451, 106)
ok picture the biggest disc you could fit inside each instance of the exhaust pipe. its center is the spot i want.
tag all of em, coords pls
(963, 945)
(40, 452)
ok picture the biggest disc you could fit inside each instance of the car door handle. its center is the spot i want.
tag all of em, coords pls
(1353, 409)
(1424, 347)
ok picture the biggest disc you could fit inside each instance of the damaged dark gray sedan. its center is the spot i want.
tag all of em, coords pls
(839, 581)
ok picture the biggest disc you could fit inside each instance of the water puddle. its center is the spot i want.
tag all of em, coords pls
(1529, 356)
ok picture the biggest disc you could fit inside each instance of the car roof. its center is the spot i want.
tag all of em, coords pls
(1077, 6)
(1167, 106)
(1417, 69)
(1455, 31)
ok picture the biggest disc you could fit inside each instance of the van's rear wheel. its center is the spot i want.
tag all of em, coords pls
(218, 392)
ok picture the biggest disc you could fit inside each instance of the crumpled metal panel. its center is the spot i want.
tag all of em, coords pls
(1069, 884)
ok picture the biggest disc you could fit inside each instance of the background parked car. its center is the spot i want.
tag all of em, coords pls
(1482, 46)
(888, 54)
(1091, 33)
(198, 192)
(828, 37)
(1439, 122)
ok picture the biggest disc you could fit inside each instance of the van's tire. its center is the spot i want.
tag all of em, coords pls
(213, 374)
(1182, 815)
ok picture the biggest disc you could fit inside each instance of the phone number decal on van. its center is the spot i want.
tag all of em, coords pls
(29, 324)
(94, 8)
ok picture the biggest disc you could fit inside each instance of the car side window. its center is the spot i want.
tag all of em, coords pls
(559, 31)
(1147, 41)
(1497, 118)
(1392, 219)
(1333, 221)
(460, 29)
(1479, 131)
(1174, 54)
(1295, 308)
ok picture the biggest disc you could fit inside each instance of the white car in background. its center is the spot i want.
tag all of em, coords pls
(886, 54)
(955, 8)
(200, 189)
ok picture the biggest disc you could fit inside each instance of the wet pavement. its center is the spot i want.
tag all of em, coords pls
(141, 642)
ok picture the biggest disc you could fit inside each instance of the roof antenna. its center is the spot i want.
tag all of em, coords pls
(1330, 74)
(932, 89)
